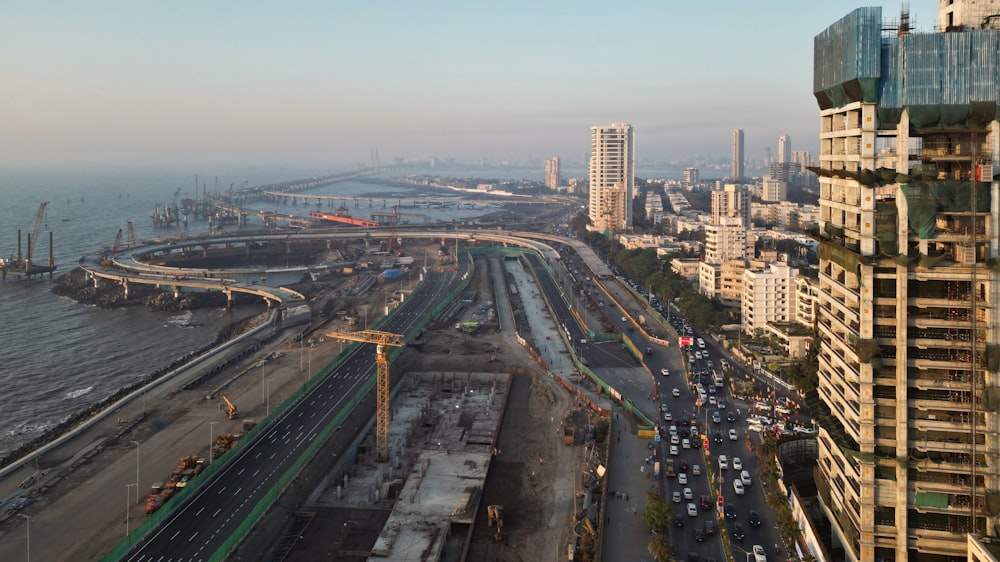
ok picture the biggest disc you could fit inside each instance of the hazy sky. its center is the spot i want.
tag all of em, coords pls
(329, 82)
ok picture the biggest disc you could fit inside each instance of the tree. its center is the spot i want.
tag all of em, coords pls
(660, 547)
(658, 513)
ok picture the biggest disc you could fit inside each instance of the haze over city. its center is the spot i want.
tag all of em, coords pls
(329, 83)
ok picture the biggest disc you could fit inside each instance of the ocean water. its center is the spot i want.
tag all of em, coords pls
(58, 357)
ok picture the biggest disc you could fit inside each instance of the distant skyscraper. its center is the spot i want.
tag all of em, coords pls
(552, 173)
(690, 177)
(801, 157)
(737, 165)
(612, 177)
(784, 149)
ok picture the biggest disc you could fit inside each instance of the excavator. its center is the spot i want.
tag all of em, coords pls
(231, 411)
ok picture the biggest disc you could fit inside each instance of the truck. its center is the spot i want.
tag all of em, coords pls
(568, 434)
(670, 468)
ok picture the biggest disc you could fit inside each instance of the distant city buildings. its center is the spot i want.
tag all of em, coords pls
(612, 177)
(690, 178)
(784, 149)
(552, 178)
(737, 160)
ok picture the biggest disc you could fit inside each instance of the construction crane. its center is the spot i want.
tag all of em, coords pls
(231, 411)
(131, 235)
(383, 341)
(33, 240)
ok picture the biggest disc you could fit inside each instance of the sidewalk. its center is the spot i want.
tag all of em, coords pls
(626, 536)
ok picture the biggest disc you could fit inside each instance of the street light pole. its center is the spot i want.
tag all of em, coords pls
(263, 396)
(136, 443)
(128, 503)
(27, 522)
(211, 440)
(267, 409)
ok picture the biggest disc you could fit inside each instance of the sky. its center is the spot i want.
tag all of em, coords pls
(332, 82)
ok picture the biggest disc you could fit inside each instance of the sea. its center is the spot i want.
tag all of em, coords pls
(59, 357)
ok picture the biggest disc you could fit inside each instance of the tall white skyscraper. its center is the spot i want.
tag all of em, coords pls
(784, 149)
(552, 179)
(737, 164)
(612, 177)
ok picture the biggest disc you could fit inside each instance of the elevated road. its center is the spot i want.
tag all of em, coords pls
(200, 528)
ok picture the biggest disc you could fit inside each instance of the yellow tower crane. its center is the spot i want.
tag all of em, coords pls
(383, 341)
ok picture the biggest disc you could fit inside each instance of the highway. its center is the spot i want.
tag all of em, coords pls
(198, 529)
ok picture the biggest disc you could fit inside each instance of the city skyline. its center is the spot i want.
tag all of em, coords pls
(333, 84)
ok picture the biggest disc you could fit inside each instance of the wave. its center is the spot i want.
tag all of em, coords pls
(78, 393)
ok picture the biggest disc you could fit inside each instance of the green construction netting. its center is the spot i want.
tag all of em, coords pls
(833, 230)
(931, 499)
(866, 349)
(887, 228)
(925, 199)
(877, 363)
(868, 178)
(991, 398)
(972, 116)
(930, 261)
(904, 260)
(992, 502)
(992, 357)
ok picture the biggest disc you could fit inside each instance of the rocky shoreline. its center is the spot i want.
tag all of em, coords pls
(109, 294)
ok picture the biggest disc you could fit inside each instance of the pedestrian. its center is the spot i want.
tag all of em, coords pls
(626, 496)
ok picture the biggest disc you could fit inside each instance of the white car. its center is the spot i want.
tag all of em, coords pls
(723, 462)
(696, 470)
(697, 355)
(682, 478)
(692, 510)
(676, 392)
(676, 497)
(737, 463)
(673, 431)
(745, 477)
(688, 494)
(738, 487)
(674, 439)
(759, 554)
(733, 436)
(674, 450)
(686, 444)
(665, 372)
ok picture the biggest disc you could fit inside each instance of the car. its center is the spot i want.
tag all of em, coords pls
(712, 389)
(695, 443)
(745, 477)
(674, 450)
(676, 392)
(683, 467)
(682, 478)
(696, 470)
(731, 417)
(665, 372)
(754, 519)
(737, 463)
(710, 528)
(709, 362)
(697, 355)
(705, 502)
(732, 435)
(678, 521)
(759, 554)
(716, 418)
(730, 511)
(692, 510)
(685, 443)
(674, 439)
(711, 399)
(721, 405)
(688, 494)
(667, 416)
(664, 407)
(723, 462)
(737, 531)
(676, 497)
(672, 430)
(717, 437)
(738, 487)
(699, 535)
(690, 357)
(624, 319)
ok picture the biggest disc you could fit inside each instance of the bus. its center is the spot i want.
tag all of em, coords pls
(717, 379)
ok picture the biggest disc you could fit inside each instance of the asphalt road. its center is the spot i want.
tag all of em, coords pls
(197, 530)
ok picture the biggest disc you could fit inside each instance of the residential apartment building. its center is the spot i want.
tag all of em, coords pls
(552, 177)
(612, 177)
(690, 178)
(768, 296)
(909, 286)
(736, 165)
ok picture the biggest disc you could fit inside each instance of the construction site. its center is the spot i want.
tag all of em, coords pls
(22, 264)
(490, 455)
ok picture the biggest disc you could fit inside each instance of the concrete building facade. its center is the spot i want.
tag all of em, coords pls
(612, 177)
(768, 296)
(909, 327)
